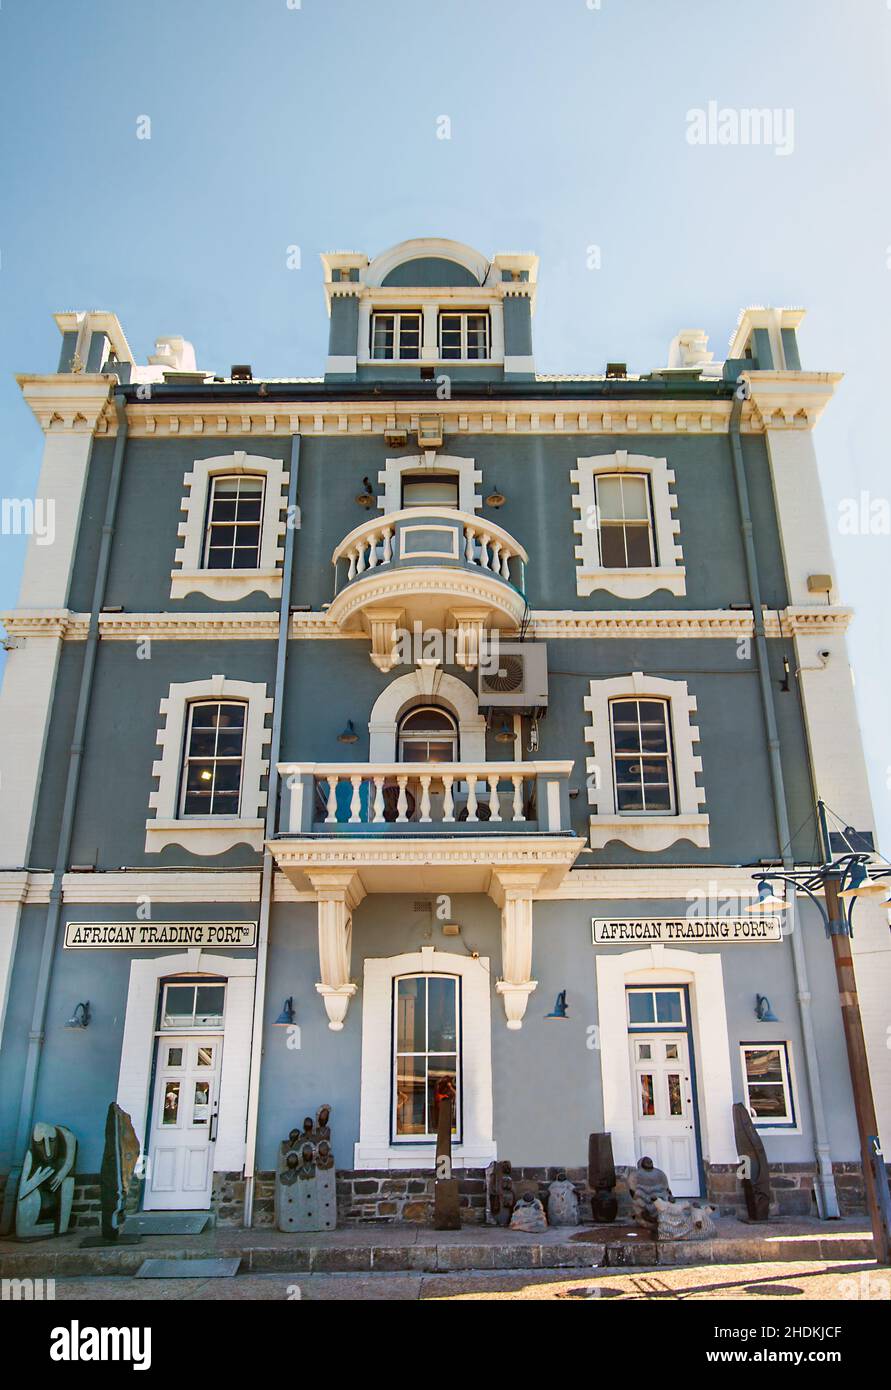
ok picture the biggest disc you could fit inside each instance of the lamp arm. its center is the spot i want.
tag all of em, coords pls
(797, 884)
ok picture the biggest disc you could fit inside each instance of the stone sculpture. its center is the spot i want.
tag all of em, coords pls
(446, 1202)
(755, 1171)
(46, 1187)
(115, 1176)
(528, 1214)
(683, 1221)
(563, 1202)
(500, 1195)
(646, 1183)
(602, 1177)
(305, 1191)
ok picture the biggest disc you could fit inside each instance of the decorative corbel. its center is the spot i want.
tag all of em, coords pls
(513, 890)
(338, 893)
(383, 625)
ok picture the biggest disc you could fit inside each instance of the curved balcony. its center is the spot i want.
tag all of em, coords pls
(433, 566)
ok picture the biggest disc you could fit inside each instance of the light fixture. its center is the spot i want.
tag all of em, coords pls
(505, 733)
(366, 498)
(349, 734)
(767, 900)
(286, 1017)
(495, 498)
(560, 1009)
(763, 1012)
(81, 1016)
(862, 886)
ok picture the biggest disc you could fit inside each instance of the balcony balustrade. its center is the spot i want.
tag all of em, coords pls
(433, 566)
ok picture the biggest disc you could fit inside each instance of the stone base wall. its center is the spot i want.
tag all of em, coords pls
(791, 1186)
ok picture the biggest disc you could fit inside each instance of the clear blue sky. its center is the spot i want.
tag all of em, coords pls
(316, 126)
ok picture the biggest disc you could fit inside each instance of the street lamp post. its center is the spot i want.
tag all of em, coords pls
(842, 881)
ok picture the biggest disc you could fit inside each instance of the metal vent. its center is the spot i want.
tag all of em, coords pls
(507, 678)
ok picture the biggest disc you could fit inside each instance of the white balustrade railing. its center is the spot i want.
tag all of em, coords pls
(482, 545)
(423, 793)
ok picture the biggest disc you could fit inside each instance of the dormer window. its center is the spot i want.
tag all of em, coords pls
(463, 337)
(395, 337)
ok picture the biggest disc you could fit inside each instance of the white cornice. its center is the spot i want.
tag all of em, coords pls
(70, 402)
(319, 626)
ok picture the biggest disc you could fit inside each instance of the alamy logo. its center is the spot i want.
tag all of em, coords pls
(76, 1343)
(747, 125)
(27, 1290)
(24, 516)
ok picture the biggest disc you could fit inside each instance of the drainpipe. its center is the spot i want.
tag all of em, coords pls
(281, 656)
(36, 1036)
(827, 1199)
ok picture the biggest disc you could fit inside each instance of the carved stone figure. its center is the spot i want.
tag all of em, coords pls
(753, 1160)
(563, 1202)
(446, 1202)
(683, 1221)
(602, 1177)
(500, 1196)
(305, 1192)
(528, 1214)
(115, 1176)
(646, 1183)
(46, 1187)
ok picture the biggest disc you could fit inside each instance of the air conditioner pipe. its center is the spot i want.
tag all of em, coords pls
(36, 1035)
(827, 1198)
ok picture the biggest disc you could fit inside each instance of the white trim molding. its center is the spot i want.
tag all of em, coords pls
(650, 833)
(704, 973)
(209, 834)
(138, 1044)
(669, 572)
(225, 586)
(390, 477)
(426, 686)
(375, 1148)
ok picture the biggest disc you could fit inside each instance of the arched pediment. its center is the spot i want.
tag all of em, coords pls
(428, 257)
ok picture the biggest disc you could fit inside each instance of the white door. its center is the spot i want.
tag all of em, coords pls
(184, 1120)
(663, 1107)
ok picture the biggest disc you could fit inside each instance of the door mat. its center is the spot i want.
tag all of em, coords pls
(168, 1223)
(188, 1269)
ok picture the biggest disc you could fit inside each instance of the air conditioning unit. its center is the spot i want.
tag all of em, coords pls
(514, 676)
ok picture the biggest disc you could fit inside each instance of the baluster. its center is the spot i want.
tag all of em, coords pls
(402, 801)
(331, 818)
(425, 799)
(360, 563)
(506, 557)
(484, 553)
(448, 805)
(496, 557)
(378, 800)
(494, 803)
(471, 800)
(388, 545)
(352, 570)
(468, 550)
(372, 553)
(356, 799)
(517, 780)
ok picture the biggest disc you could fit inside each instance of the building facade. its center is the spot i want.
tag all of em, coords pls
(349, 722)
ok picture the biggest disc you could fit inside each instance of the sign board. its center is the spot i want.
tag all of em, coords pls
(680, 931)
(142, 936)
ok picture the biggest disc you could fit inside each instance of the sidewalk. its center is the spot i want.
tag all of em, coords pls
(390, 1249)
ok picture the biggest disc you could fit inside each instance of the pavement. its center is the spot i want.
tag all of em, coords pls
(761, 1282)
(419, 1251)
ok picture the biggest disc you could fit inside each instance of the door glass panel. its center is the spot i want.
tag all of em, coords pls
(174, 1056)
(171, 1103)
(179, 1004)
(668, 1007)
(640, 1007)
(647, 1103)
(209, 1005)
(644, 1052)
(671, 1052)
(675, 1105)
(201, 1103)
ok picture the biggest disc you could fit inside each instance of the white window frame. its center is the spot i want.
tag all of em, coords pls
(464, 315)
(430, 1136)
(188, 757)
(375, 1148)
(165, 1030)
(209, 834)
(653, 831)
(397, 315)
(469, 477)
(431, 736)
(226, 586)
(591, 576)
(792, 1123)
(667, 756)
(599, 477)
(210, 523)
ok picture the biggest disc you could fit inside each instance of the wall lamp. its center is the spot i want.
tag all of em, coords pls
(366, 498)
(495, 498)
(348, 735)
(561, 1008)
(81, 1016)
(763, 1012)
(286, 1017)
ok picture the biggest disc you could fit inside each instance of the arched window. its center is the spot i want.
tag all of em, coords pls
(428, 735)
